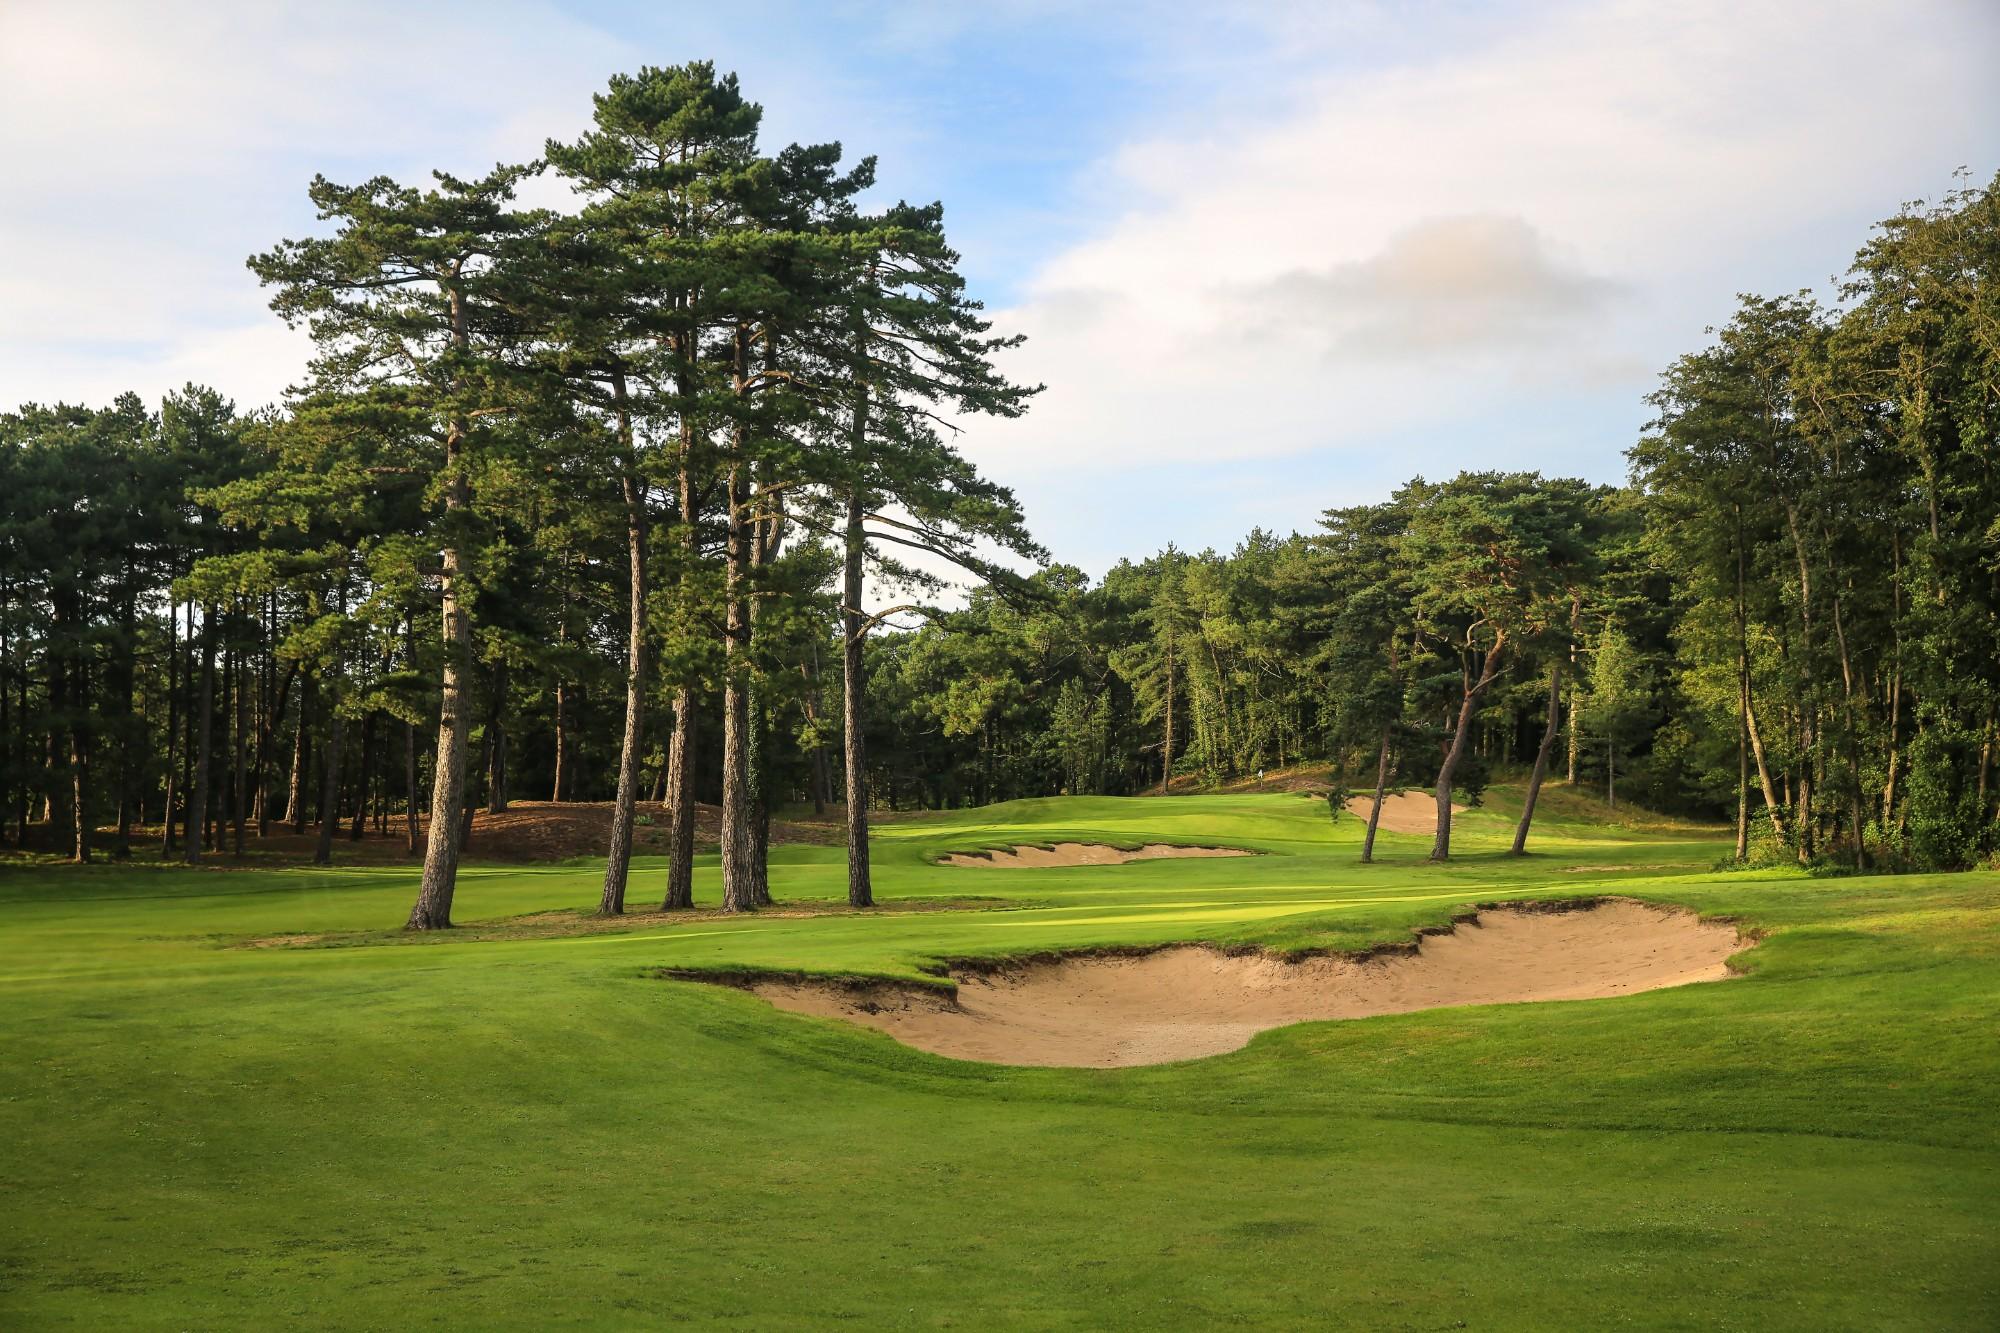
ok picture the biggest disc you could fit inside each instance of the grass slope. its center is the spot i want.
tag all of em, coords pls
(533, 1131)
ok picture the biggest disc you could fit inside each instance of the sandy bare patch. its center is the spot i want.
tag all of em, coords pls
(1402, 811)
(1185, 1002)
(1081, 854)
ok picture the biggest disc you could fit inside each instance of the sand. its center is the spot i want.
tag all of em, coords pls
(1182, 1003)
(1402, 811)
(1081, 854)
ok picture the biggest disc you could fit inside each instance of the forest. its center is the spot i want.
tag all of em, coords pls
(655, 498)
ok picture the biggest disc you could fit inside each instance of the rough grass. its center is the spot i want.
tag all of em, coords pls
(522, 1126)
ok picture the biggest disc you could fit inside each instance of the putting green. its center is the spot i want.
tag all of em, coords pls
(513, 1127)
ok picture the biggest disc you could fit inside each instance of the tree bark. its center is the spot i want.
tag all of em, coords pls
(79, 753)
(681, 747)
(174, 685)
(1742, 779)
(359, 825)
(618, 860)
(329, 791)
(295, 789)
(1772, 803)
(1167, 727)
(562, 695)
(130, 724)
(680, 801)
(409, 789)
(267, 731)
(1742, 702)
(1441, 847)
(204, 740)
(239, 797)
(1381, 785)
(432, 910)
(496, 741)
(766, 527)
(1541, 769)
(738, 892)
(853, 700)
(1895, 681)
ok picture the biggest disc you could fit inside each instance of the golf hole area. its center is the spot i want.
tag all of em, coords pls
(1079, 854)
(1109, 1010)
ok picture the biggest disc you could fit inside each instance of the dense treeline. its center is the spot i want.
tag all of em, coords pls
(1790, 616)
(600, 503)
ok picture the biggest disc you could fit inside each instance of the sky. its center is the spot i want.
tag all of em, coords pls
(1269, 258)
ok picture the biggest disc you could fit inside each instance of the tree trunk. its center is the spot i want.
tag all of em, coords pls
(295, 789)
(1548, 744)
(618, 860)
(239, 783)
(1742, 780)
(360, 822)
(681, 748)
(204, 711)
(432, 910)
(1856, 802)
(1573, 737)
(329, 791)
(1441, 847)
(267, 733)
(130, 724)
(1381, 785)
(1772, 804)
(1167, 728)
(680, 801)
(738, 892)
(562, 693)
(79, 754)
(1742, 703)
(1803, 816)
(1985, 764)
(409, 789)
(174, 685)
(853, 700)
(496, 742)
(1895, 681)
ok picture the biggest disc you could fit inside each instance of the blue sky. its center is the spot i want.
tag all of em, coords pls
(1270, 258)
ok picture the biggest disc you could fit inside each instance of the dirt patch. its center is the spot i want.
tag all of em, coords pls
(1402, 811)
(548, 831)
(1081, 854)
(1185, 1002)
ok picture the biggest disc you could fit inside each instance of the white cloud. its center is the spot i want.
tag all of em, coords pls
(1507, 227)
(149, 149)
(1442, 285)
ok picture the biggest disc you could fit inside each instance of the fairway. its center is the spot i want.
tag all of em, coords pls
(515, 1124)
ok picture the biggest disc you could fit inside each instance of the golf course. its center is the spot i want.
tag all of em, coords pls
(1045, 667)
(242, 1097)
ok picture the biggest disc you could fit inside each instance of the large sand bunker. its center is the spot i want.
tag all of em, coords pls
(1402, 811)
(1081, 854)
(1184, 1002)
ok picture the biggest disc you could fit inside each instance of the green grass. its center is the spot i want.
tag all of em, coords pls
(534, 1131)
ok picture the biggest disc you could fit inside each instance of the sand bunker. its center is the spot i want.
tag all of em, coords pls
(1184, 1002)
(1402, 811)
(1081, 854)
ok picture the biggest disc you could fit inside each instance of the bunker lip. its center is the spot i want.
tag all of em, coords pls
(1115, 1007)
(1037, 855)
